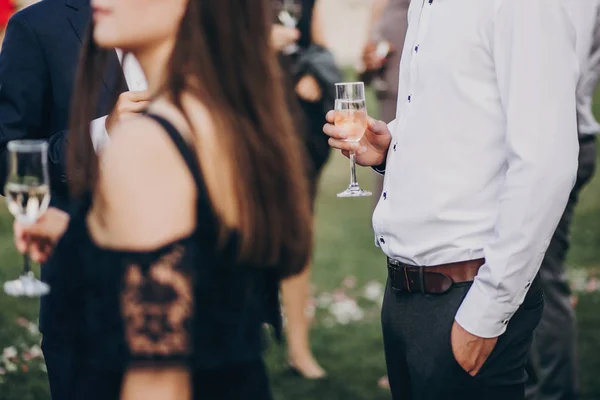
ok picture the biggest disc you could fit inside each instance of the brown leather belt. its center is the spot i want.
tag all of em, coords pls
(435, 280)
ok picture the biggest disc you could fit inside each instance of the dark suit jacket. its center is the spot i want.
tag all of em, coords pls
(38, 63)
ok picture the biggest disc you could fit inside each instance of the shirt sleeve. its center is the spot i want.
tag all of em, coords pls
(588, 83)
(380, 169)
(99, 134)
(536, 68)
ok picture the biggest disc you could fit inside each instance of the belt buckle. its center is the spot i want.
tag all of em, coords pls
(400, 273)
(393, 270)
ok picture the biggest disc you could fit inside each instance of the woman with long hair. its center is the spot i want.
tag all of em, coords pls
(191, 213)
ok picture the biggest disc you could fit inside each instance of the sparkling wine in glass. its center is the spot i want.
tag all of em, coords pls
(351, 116)
(27, 193)
(288, 14)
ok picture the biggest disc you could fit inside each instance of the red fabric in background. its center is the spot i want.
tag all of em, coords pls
(7, 9)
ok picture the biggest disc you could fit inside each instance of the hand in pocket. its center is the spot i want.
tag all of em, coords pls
(470, 351)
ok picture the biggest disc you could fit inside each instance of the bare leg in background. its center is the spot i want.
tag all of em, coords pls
(294, 293)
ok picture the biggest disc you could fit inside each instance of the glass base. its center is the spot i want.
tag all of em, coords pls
(26, 286)
(354, 191)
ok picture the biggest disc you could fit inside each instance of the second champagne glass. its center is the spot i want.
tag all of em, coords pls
(288, 14)
(27, 193)
(351, 116)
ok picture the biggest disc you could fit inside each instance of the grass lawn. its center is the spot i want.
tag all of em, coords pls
(347, 274)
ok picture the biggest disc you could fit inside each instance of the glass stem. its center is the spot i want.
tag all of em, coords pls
(353, 182)
(26, 261)
(26, 265)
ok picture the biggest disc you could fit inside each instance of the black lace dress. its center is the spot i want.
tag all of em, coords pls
(187, 303)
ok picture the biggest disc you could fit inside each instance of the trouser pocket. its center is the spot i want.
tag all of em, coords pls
(506, 363)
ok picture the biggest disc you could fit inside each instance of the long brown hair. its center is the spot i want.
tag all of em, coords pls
(223, 47)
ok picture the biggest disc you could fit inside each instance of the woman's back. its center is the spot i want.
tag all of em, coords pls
(161, 289)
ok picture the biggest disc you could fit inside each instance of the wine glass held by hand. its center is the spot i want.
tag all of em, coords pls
(282, 37)
(288, 13)
(370, 151)
(366, 147)
(350, 123)
(27, 193)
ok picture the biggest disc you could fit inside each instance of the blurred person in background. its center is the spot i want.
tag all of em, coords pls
(553, 365)
(38, 63)
(192, 211)
(381, 60)
(311, 74)
(478, 167)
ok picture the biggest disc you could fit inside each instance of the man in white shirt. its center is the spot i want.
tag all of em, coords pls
(553, 367)
(479, 163)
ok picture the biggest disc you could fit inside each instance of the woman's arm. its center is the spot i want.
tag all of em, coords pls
(146, 199)
(146, 195)
(317, 28)
(157, 384)
(308, 87)
(376, 11)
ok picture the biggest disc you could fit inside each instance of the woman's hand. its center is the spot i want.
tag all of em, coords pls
(370, 58)
(39, 239)
(375, 55)
(308, 89)
(281, 36)
(372, 148)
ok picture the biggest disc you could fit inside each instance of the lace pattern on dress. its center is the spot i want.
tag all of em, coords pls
(157, 307)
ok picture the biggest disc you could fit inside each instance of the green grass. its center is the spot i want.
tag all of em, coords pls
(353, 353)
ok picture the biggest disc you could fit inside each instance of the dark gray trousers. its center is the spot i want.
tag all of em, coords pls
(553, 364)
(419, 358)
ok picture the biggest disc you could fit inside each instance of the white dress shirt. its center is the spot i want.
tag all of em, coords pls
(484, 146)
(136, 81)
(586, 19)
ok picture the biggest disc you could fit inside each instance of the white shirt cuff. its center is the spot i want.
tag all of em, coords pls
(483, 316)
(99, 134)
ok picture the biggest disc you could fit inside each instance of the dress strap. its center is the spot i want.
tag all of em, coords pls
(189, 156)
(206, 218)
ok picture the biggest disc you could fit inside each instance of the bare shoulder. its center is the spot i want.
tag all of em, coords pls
(147, 192)
(141, 147)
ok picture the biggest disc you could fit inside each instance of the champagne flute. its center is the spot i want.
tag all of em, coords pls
(288, 14)
(27, 193)
(351, 116)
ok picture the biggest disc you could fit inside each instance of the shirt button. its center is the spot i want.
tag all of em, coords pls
(416, 48)
(385, 195)
(528, 284)
(395, 147)
(505, 322)
(409, 97)
(381, 240)
(63, 179)
(430, 1)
